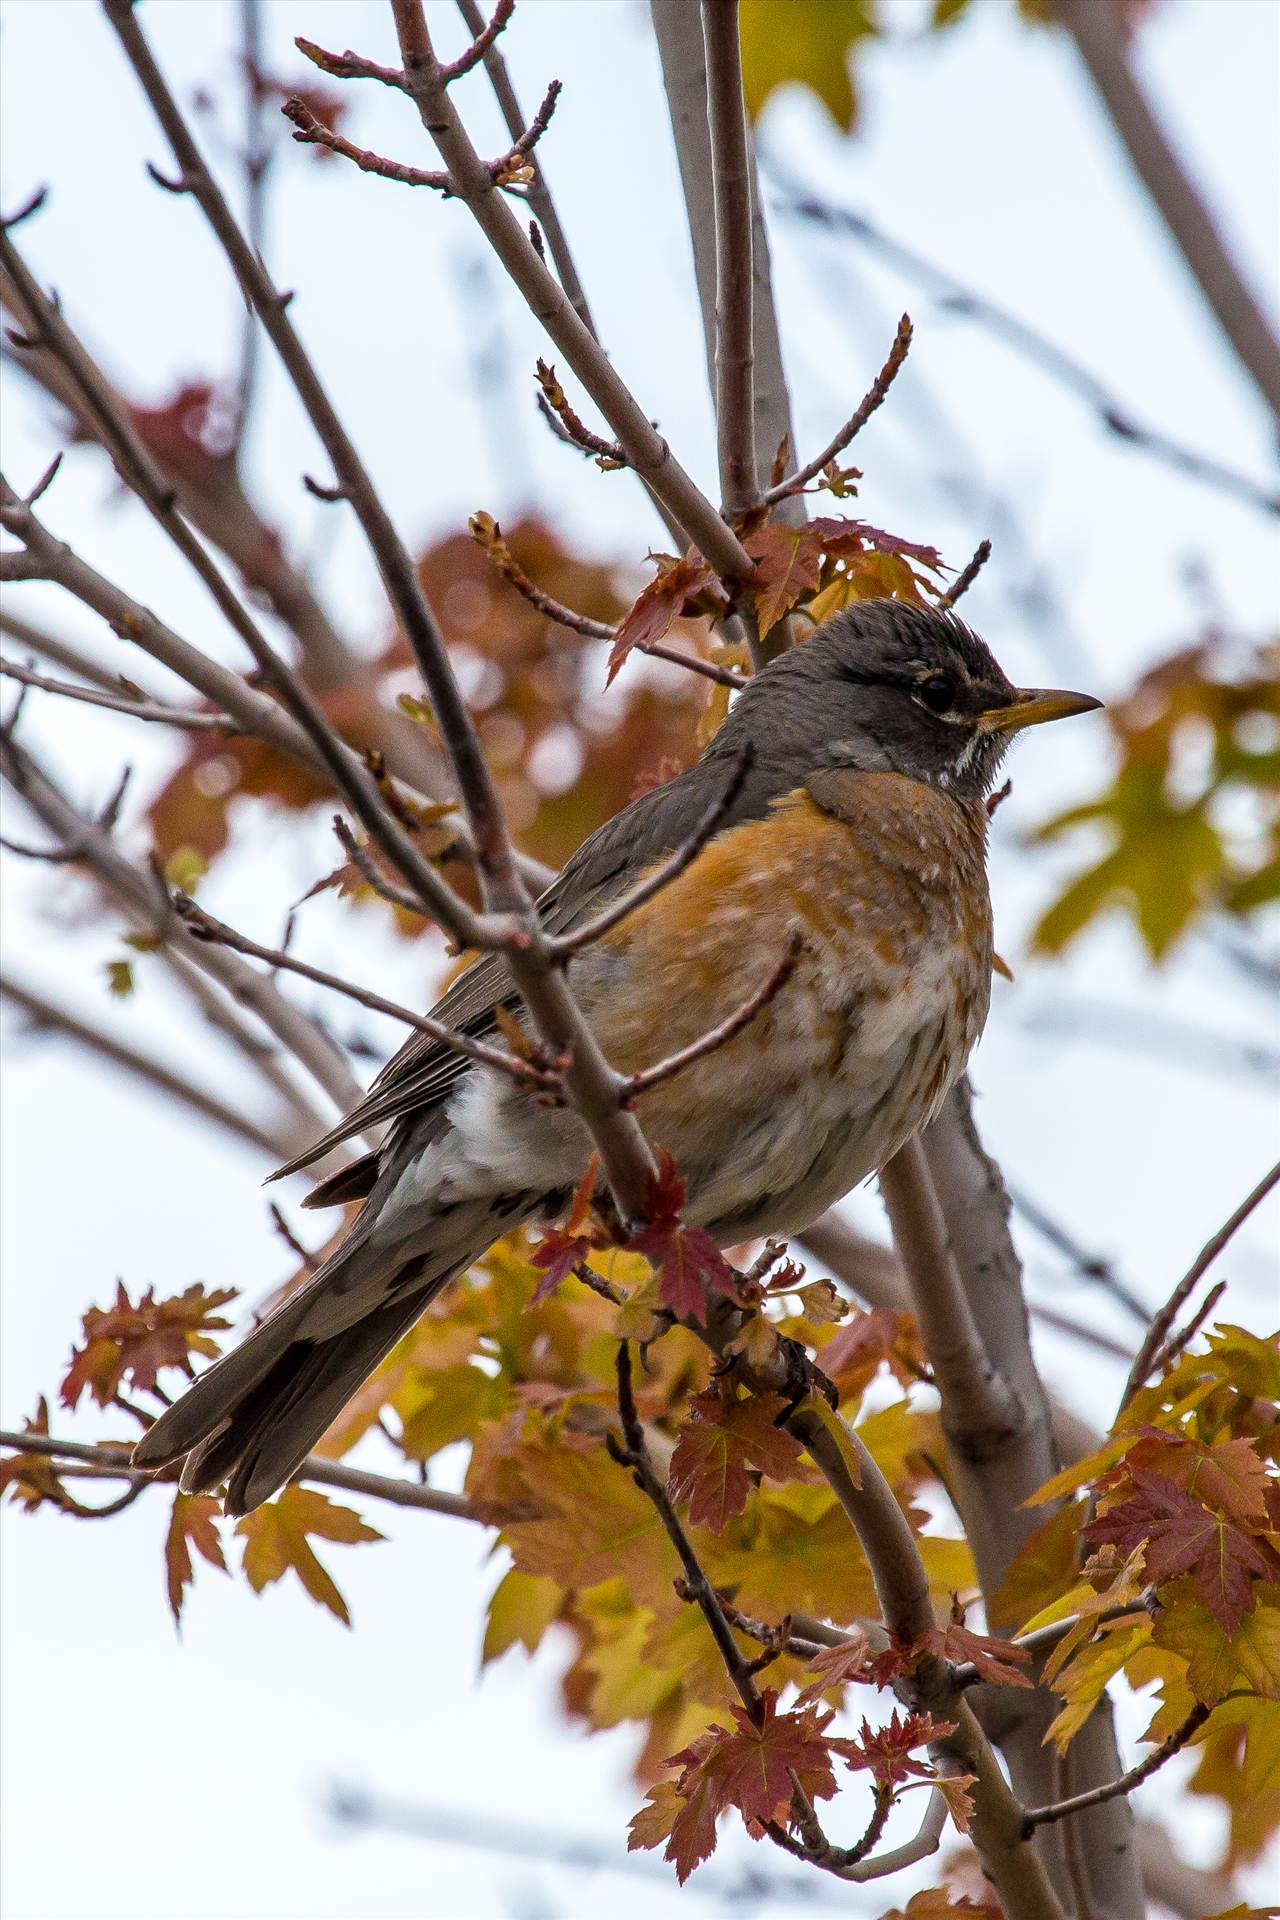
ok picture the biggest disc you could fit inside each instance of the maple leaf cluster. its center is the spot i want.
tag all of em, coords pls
(816, 569)
(1178, 1514)
(756, 1765)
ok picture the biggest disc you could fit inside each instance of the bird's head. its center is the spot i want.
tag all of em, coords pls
(883, 686)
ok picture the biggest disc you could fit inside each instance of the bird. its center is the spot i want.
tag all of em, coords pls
(859, 762)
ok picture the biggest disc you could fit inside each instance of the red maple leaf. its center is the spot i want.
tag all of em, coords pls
(750, 1768)
(999, 1661)
(688, 1260)
(886, 1751)
(853, 1355)
(190, 434)
(838, 538)
(650, 615)
(838, 1667)
(723, 1438)
(788, 562)
(131, 1342)
(1182, 1536)
(564, 1248)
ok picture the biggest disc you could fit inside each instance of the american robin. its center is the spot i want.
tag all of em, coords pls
(860, 826)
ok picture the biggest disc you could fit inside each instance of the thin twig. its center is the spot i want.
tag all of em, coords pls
(663, 872)
(203, 926)
(350, 66)
(719, 1035)
(489, 535)
(313, 132)
(482, 40)
(510, 919)
(1096, 1796)
(146, 904)
(140, 472)
(362, 859)
(966, 577)
(633, 1453)
(646, 449)
(1111, 412)
(192, 720)
(111, 1460)
(1163, 1321)
(1094, 1267)
(46, 1017)
(559, 410)
(873, 398)
(731, 176)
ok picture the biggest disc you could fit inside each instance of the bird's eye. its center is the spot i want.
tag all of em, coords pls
(937, 692)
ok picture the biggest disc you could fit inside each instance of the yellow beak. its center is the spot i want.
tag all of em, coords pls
(1033, 705)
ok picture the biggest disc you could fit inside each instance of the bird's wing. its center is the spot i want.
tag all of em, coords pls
(424, 1072)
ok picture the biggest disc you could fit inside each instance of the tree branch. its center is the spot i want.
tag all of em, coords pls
(510, 920)
(871, 400)
(538, 192)
(966, 577)
(731, 177)
(724, 1031)
(1096, 32)
(140, 472)
(678, 32)
(189, 719)
(1060, 1809)
(48, 1018)
(110, 1460)
(954, 297)
(978, 1409)
(1208, 1253)
(645, 448)
(144, 901)
(203, 926)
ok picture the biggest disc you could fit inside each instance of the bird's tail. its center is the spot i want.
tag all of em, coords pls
(254, 1416)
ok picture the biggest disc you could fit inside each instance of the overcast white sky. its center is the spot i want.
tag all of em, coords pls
(148, 1777)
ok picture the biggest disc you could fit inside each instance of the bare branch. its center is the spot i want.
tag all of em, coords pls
(954, 297)
(538, 192)
(558, 410)
(482, 42)
(966, 577)
(510, 920)
(314, 133)
(731, 177)
(45, 1017)
(350, 66)
(191, 719)
(977, 1406)
(140, 472)
(726, 1030)
(1096, 1796)
(1163, 1321)
(51, 646)
(145, 902)
(645, 448)
(1097, 34)
(110, 1459)
(873, 398)
(204, 926)
(660, 874)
